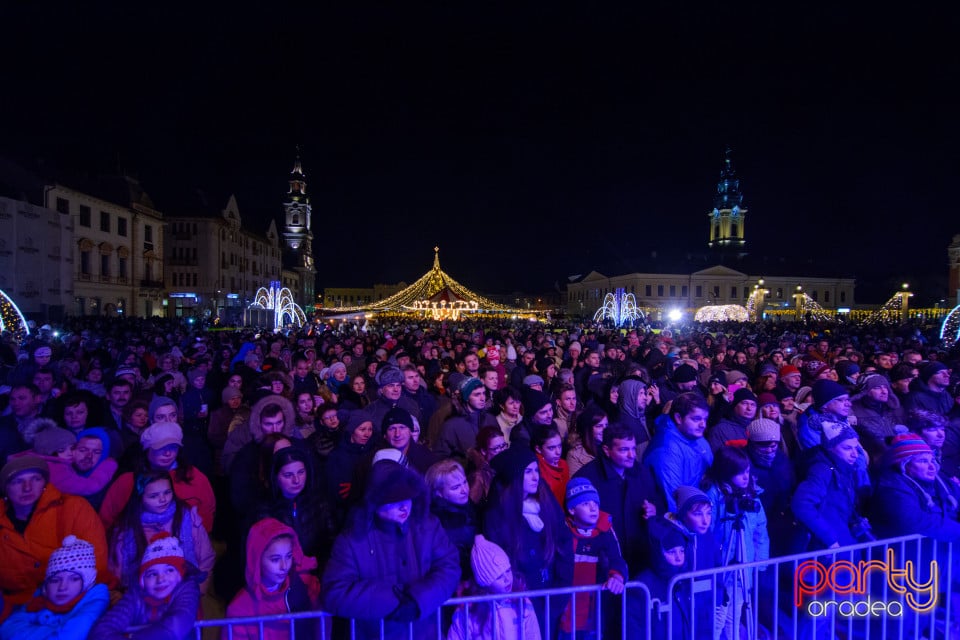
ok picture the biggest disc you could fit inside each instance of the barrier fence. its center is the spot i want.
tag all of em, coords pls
(897, 589)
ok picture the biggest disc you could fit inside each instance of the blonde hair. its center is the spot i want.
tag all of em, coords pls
(439, 471)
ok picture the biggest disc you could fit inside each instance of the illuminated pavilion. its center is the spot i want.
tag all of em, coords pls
(435, 296)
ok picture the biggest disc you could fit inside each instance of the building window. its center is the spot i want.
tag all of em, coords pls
(85, 265)
(84, 216)
(779, 292)
(648, 290)
(733, 230)
(733, 293)
(673, 291)
(63, 205)
(843, 296)
(698, 291)
(194, 279)
(684, 291)
(104, 221)
(659, 290)
(826, 296)
(716, 292)
(122, 268)
(813, 295)
(148, 237)
(122, 227)
(104, 267)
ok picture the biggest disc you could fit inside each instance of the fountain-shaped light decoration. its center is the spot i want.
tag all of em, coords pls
(620, 308)
(279, 300)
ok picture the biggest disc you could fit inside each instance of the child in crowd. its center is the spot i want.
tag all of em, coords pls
(277, 582)
(163, 604)
(70, 601)
(597, 557)
(155, 509)
(515, 618)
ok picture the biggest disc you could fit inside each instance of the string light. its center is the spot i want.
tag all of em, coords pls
(892, 310)
(950, 330)
(280, 300)
(817, 313)
(722, 313)
(620, 308)
(11, 318)
(419, 298)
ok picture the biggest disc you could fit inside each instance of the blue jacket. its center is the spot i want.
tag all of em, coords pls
(757, 542)
(675, 459)
(900, 507)
(46, 625)
(825, 501)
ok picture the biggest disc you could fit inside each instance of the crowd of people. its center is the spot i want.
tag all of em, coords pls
(149, 466)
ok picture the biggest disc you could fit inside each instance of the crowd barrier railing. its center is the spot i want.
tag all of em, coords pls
(897, 588)
(799, 597)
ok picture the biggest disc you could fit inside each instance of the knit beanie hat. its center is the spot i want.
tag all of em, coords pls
(743, 394)
(51, 439)
(468, 386)
(872, 381)
(834, 436)
(580, 490)
(928, 370)
(160, 434)
(684, 373)
(157, 402)
(901, 373)
(75, 555)
(766, 398)
(813, 368)
(21, 464)
(229, 393)
(511, 353)
(389, 375)
(846, 369)
(824, 391)
(488, 561)
(337, 366)
(787, 370)
(396, 416)
(733, 376)
(163, 549)
(510, 463)
(493, 354)
(686, 497)
(904, 446)
(532, 379)
(533, 401)
(355, 420)
(763, 430)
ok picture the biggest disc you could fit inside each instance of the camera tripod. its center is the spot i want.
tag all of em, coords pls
(737, 595)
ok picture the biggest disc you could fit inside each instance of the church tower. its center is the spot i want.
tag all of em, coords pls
(297, 235)
(728, 215)
(953, 281)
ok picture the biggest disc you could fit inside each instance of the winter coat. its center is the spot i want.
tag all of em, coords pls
(622, 498)
(47, 625)
(252, 431)
(825, 501)
(902, 506)
(556, 477)
(426, 404)
(675, 459)
(756, 539)
(309, 516)
(631, 415)
(876, 422)
(460, 524)
(778, 482)
(65, 478)
(730, 428)
(597, 558)
(577, 456)
(512, 623)
(479, 476)
(459, 433)
(377, 410)
(130, 617)
(195, 491)
(24, 556)
(373, 561)
(921, 396)
(299, 592)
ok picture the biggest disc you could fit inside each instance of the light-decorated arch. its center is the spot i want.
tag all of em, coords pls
(11, 318)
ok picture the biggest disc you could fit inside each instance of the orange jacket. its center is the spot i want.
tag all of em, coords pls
(23, 557)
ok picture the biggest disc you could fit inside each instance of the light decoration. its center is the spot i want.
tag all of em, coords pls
(722, 313)
(809, 305)
(755, 303)
(620, 308)
(892, 310)
(280, 301)
(11, 318)
(425, 296)
(950, 329)
(442, 310)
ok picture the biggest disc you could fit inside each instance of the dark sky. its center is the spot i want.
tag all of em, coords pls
(530, 144)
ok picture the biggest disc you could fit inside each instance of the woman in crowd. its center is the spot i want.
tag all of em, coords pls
(341, 468)
(450, 503)
(584, 443)
(490, 442)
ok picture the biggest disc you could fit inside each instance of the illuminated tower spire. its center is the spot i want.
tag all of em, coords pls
(297, 232)
(727, 219)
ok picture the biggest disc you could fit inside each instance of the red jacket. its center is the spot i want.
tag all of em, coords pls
(196, 493)
(23, 558)
(556, 478)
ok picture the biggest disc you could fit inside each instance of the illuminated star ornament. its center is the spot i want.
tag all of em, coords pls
(11, 318)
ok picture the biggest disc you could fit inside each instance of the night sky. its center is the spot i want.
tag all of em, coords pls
(529, 144)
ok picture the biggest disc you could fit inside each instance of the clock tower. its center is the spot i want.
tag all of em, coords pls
(728, 215)
(297, 235)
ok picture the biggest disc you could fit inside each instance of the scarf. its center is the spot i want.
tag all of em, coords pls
(39, 603)
(762, 457)
(531, 513)
(155, 606)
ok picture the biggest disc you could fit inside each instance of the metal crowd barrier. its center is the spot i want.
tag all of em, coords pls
(879, 589)
(828, 605)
